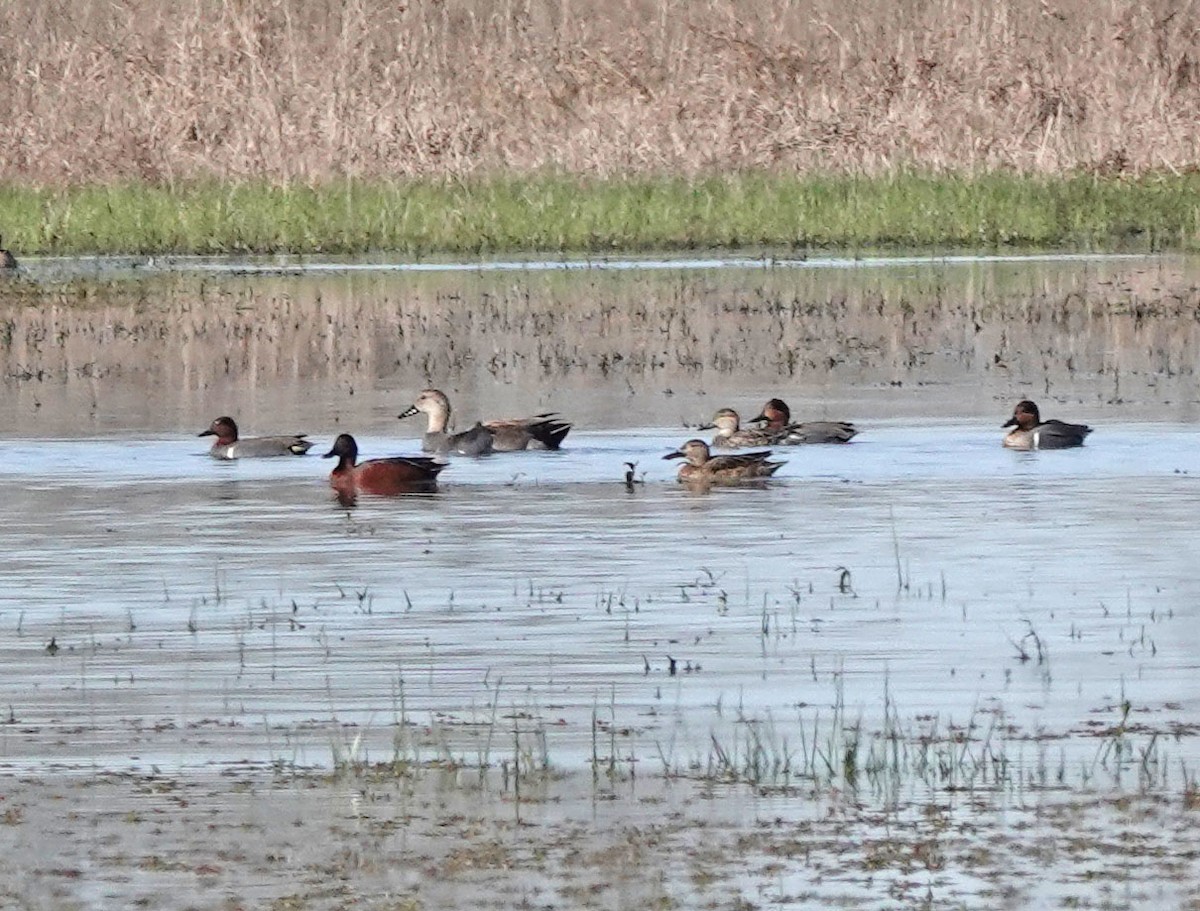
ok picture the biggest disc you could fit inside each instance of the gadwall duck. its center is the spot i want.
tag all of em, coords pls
(386, 477)
(731, 435)
(542, 431)
(228, 446)
(1029, 431)
(778, 418)
(701, 465)
(7, 260)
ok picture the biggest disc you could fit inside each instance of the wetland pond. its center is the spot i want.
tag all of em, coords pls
(917, 670)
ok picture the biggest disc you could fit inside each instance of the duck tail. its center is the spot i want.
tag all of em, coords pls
(549, 430)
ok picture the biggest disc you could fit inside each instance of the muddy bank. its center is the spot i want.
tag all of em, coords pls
(250, 838)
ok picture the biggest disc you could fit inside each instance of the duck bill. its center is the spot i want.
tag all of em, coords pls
(330, 454)
(409, 412)
(1011, 422)
(706, 427)
(761, 418)
(207, 433)
(674, 455)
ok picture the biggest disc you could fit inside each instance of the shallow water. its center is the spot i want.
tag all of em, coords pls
(184, 590)
(918, 581)
(181, 589)
(145, 355)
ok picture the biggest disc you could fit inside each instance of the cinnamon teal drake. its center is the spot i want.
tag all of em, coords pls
(384, 477)
(778, 420)
(702, 465)
(229, 446)
(1029, 431)
(731, 435)
(542, 431)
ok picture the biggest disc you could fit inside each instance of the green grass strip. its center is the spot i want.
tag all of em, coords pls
(556, 214)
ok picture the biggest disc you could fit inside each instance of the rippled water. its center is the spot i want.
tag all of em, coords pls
(207, 612)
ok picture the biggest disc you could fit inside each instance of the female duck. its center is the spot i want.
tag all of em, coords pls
(542, 431)
(228, 446)
(778, 419)
(1029, 431)
(731, 435)
(702, 466)
(386, 477)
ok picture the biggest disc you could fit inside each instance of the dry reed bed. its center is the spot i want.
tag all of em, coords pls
(291, 90)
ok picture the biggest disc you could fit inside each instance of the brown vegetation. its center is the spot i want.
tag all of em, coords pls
(624, 349)
(299, 90)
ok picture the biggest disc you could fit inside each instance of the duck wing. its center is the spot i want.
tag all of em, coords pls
(1059, 435)
(747, 436)
(259, 447)
(546, 430)
(740, 460)
(817, 432)
(424, 464)
(479, 440)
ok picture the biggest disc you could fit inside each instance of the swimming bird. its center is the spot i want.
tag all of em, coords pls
(1031, 432)
(542, 431)
(731, 435)
(701, 465)
(631, 478)
(385, 477)
(778, 419)
(7, 260)
(229, 446)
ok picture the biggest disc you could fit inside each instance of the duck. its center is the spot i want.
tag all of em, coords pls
(1029, 431)
(778, 420)
(385, 477)
(229, 446)
(7, 260)
(731, 435)
(542, 431)
(702, 465)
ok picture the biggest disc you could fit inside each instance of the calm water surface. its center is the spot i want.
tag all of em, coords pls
(208, 612)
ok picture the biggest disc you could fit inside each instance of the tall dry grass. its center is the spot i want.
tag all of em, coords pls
(308, 90)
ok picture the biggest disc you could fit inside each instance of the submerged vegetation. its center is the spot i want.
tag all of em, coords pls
(493, 785)
(563, 214)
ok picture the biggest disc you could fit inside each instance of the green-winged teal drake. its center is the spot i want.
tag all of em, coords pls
(731, 435)
(229, 446)
(1029, 431)
(385, 477)
(778, 420)
(702, 465)
(542, 431)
